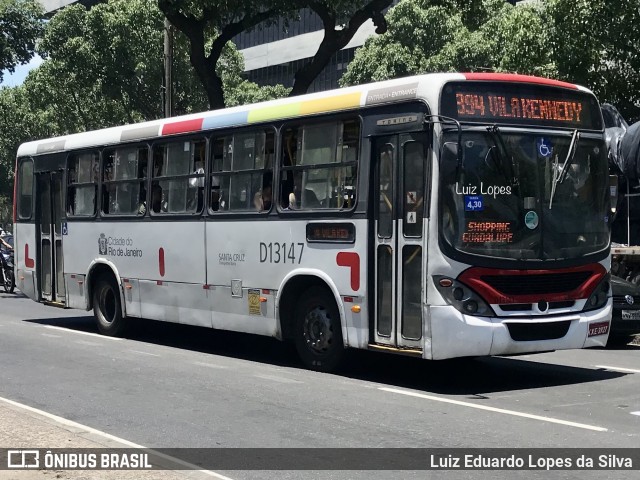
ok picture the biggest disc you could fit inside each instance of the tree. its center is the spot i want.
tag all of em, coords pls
(341, 19)
(104, 67)
(197, 18)
(20, 26)
(595, 43)
(17, 124)
(452, 35)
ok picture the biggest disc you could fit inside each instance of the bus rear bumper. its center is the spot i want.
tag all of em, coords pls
(454, 334)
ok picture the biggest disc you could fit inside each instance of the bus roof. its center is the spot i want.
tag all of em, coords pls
(426, 87)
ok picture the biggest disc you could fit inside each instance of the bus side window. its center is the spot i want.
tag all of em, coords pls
(178, 173)
(123, 180)
(319, 166)
(25, 189)
(242, 171)
(288, 199)
(82, 184)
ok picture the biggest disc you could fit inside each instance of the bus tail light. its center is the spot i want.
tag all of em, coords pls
(461, 297)
(600, 295)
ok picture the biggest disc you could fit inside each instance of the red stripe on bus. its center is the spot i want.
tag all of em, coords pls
(182, 127)
(28, 262)
(473, 277)
(514, 77)
(351, 260)
(161, 261)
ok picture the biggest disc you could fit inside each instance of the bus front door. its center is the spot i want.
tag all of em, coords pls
(400, 199)
(50, 214)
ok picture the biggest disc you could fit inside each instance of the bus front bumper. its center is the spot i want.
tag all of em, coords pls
(453, 334)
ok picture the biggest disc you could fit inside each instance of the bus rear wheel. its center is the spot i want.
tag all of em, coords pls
(107, 308)
(318, 333)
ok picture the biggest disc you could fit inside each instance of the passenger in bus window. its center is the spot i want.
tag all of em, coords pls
(214, 204)
(262, 199)
(157, 204)
(196, 187)
(142, 206)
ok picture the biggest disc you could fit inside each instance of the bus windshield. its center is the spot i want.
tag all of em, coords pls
(524, 196)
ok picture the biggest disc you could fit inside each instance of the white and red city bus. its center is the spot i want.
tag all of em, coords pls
(441, 215)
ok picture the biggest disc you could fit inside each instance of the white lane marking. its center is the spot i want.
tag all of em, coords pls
(618, 369)
(50, 335)
(494, 409)
(145, 353)
(79, 426)
(53, 327)
(278, 379)
(635, 413)
(210, 365)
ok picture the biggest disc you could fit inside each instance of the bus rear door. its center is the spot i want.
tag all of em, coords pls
(50, 215)
(400, 196)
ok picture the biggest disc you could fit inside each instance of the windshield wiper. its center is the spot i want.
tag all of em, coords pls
(503, 153)
(559, 177)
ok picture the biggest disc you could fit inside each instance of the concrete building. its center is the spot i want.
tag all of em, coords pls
(273, 55)
(51, 6)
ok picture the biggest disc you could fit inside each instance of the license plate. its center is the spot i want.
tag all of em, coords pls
(631, 314)
(599, 328)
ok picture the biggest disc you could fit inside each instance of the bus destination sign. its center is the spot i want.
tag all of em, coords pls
(331, 232)
(472, 105)
(520, 104)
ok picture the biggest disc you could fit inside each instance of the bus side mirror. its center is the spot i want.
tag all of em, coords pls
(613, 192)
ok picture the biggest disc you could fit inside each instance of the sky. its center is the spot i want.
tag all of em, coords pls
(16, 78)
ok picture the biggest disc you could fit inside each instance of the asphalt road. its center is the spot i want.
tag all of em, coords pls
(174, 386)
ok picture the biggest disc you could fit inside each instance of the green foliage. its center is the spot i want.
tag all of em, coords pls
(17, 124)
(104, 67)
(595, 43)
(20, 26)
(453, 35)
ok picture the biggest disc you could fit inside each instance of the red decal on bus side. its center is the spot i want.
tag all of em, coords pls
(352, 260)
(28, 262)
(161, 261)
(182, 127)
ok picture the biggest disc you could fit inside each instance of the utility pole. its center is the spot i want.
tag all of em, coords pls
(168, 62)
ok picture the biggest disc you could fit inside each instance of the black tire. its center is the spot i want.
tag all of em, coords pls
(107, 307)
(317, 330)
(9, 281)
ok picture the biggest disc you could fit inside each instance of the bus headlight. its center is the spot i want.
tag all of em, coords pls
(461, 297)
(600, 295)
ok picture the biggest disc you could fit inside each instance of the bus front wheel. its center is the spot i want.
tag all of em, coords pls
(107, 307)
(318, 333)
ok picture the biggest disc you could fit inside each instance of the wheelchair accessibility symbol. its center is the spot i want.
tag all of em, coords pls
(545, 149)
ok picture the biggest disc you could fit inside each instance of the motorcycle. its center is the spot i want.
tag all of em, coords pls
(6, 272)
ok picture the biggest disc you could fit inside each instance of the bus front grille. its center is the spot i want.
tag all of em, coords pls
(537, 283)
